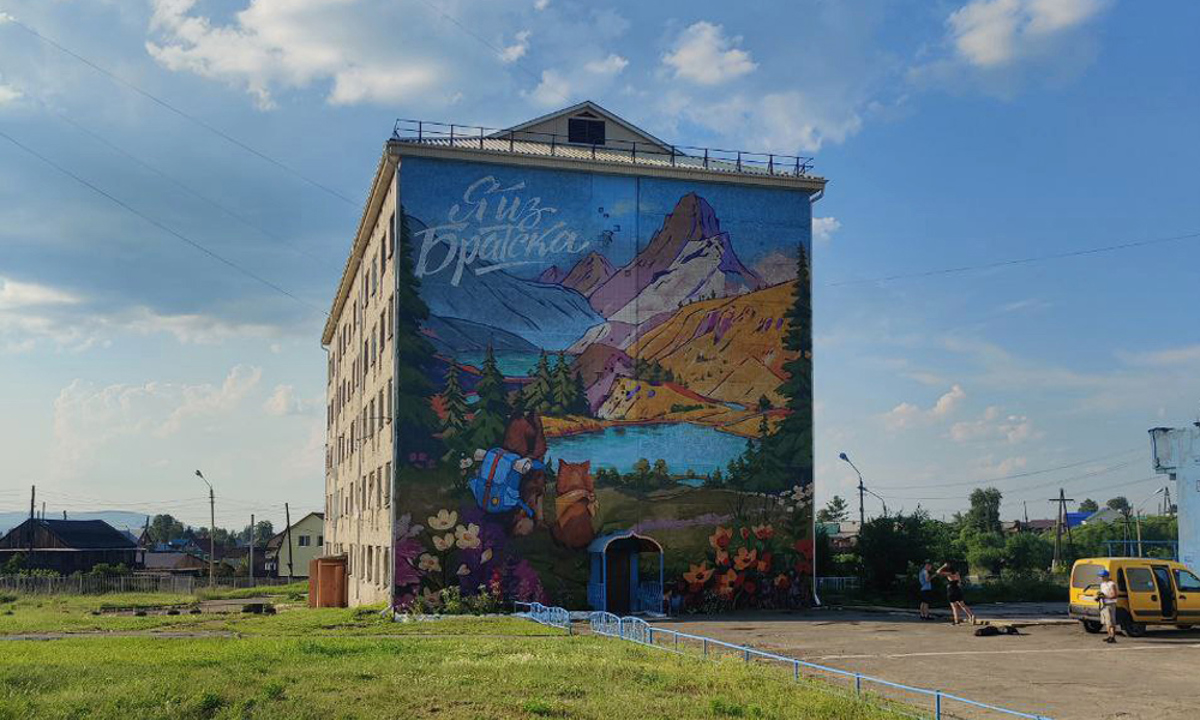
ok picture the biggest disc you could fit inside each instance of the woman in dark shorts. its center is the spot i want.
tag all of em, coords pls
(954, 593)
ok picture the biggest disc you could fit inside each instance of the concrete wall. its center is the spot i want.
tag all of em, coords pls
(1177, 452)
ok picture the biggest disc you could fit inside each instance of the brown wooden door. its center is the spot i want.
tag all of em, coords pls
(617, 583)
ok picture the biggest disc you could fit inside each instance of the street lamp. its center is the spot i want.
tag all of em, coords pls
(1138, 512)
(212, 527)
(862, 489)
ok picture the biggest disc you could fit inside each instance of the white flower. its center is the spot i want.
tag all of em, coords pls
(443, 542)
(468, 537)
(487, 555)
(429, 563)
(444, 520)
(462, 569)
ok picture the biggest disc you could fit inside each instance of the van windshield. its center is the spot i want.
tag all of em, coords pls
(1086, 574)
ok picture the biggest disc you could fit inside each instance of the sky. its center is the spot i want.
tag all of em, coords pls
(954, 135)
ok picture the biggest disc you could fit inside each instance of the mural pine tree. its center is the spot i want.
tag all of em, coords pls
(415, 422)
(564, 399)
(537, 394)
(787, 456)
(580, 406)
(454, 403)
(492, 409)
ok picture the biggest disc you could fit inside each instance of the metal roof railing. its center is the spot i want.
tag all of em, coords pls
(627, 152)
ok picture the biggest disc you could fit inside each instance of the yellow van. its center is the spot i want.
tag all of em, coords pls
(1150, 592)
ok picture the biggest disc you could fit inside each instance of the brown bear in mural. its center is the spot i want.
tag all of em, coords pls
(524, 436)
(574, 505)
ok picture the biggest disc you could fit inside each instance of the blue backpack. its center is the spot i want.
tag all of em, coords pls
(497, 484)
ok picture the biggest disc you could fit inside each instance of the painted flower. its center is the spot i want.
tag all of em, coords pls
(404, 527)
(720, 539)
(429, 563)
(443, 542)
(803, 567)
(431, 597)
(444, 520)
(722, 557)
(745, 558)
(463, 569)
(698, 574)
(764, 563)
(485, 556)
(783, 582)
(745, 533)
(762, 532)
(725, 583)
(804, 547)
(467, 537)
(749, 587)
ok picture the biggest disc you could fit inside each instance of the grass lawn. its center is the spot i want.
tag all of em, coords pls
(306, 663)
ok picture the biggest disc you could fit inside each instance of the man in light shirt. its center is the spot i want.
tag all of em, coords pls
(1108, 605)
(926, 589)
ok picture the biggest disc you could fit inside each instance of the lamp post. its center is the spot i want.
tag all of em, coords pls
(862, 490)
(1138, 513)
(212, 527)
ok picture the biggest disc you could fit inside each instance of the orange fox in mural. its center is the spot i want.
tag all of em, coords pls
(574, 505)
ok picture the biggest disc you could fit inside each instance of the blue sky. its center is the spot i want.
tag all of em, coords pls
(954, 133)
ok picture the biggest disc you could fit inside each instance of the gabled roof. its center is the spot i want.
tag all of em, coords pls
(588, 106)
(82, 534)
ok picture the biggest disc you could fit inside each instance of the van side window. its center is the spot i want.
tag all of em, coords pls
(1121, 586)
(1140, 579)
(1186, 582)
(1086, 574)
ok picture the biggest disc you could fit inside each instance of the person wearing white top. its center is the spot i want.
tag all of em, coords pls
(1108, 605)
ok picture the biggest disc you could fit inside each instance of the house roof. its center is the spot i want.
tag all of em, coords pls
(588, 106)
(83, 534)
(276, 541)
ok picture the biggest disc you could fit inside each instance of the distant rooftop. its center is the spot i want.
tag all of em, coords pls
(652, 153)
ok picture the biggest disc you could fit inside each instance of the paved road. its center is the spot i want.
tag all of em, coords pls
(1054, 669)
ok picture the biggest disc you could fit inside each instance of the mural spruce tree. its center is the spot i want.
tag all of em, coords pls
(537, 394)
(580, 406)
(454, 404)
(787, 453)
(415, 421)
(492, 409)
(563, 384)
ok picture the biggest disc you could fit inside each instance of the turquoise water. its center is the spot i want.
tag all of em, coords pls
(512, 364)
(684, 446)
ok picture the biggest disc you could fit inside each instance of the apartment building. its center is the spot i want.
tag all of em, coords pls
(586, 312)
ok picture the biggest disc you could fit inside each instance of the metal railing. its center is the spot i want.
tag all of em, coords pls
(103, 584)
(546, 615)
(864, 687)
(1145, 548)
(527, 142)
(838, 584)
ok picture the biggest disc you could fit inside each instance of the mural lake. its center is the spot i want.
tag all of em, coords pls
(683, 445)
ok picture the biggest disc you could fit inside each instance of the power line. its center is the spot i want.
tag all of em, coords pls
(180, 184)
(1039, 486)
(1016, 261)
(1028, 473)
(165, 228)
(187, 116)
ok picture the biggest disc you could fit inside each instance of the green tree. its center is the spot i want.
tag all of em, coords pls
(265, 530)
(581, 406)
(661, 473)
(492, 409)
(895, 545)
(538, 393)
(984, 515)
(562, 387)
(164, 528)
(985, 552)
(1027, 552)
(787, 452)
(414, 419)
(834, 511)
(1121, 504)
(454, 404)
(1089, 506)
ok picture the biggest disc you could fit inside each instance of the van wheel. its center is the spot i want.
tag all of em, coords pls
(1091, 626)
(1128, 626)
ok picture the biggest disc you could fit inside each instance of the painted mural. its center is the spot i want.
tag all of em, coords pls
(583, 354)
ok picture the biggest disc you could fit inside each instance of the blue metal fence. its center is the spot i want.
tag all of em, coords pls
(863, 686)
(546, 615)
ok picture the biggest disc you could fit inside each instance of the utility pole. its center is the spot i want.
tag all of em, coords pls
(1025, 504)
(43, 509)
(1059, 521)
(287, 517)
(212, 528)
(32, 504)
(251, 564)
(862, 489)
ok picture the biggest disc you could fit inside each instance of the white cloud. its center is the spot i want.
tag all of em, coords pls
(611, 65)
(553, 90)
(274, 44)
(1185, 355)
(15, 295)
(906, 414)
(86, 417)
(703, 54)
(541, 4)
(792, 121)
(989, 33)
(8, 94)
(823, 229)
(994, 425)
(517, 50)
(283, 401)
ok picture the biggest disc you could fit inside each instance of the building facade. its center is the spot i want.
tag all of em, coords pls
(289, 553)
(68, 546)
(1177, 454)
(565, 331)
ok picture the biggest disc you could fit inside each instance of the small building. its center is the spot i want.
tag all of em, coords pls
(68, 546)
(307, 539)
(619, 582)
(170, 562)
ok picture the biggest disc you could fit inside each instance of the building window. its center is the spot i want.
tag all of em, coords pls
(391, 235)
(585, 131)
(387, 484)
(320, 540)
(304, 541)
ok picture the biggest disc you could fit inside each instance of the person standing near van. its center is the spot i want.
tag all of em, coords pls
(923, 577)
(1108, 605)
